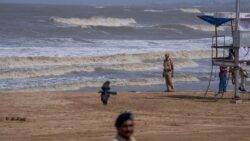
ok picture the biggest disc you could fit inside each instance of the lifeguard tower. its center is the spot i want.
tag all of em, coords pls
(225, 49)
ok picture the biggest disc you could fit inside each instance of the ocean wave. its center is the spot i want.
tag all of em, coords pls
(28, 67)
(74, 47)
(154, 65)
(13, 62)
(95, 21)
(153, 10)
(74, 73)
(180, 28)
(206, 28)
(43, 71)
(100, 7)
(62, 70)
(231, 15)
(227, 14)
(190, 10)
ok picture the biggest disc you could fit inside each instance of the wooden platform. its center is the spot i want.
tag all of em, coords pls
(223, 47)
(223, 62)
(227, 62)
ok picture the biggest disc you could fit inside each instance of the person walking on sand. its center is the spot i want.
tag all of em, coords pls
(223, 79)
(168, 72)
(125, 127)
(105, 92)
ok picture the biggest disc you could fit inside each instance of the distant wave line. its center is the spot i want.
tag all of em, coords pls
(95, 21)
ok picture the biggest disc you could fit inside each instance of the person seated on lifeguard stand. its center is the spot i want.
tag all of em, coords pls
(231, 54)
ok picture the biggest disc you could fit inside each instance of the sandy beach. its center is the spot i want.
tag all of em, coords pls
(76, 116)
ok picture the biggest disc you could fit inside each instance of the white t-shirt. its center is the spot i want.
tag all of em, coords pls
(119, 138)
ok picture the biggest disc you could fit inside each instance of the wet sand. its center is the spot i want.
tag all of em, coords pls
(75, 116)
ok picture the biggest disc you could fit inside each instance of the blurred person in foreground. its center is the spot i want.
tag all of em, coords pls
(125, 127)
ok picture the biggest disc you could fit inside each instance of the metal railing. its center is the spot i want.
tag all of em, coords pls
(220, 46)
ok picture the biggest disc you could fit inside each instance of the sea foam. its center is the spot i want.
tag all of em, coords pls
(94, 21)
(153, 10)
(190, 10)
(28, 67)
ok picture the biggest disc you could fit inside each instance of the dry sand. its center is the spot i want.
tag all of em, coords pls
(75, 116)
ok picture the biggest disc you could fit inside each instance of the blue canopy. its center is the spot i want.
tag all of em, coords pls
(215, 21)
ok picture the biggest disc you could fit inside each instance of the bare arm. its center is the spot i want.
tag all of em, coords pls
(172, 66)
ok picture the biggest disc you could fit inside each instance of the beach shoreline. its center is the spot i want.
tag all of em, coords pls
(81, 116)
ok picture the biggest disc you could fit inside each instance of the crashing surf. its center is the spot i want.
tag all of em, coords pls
(94, 21)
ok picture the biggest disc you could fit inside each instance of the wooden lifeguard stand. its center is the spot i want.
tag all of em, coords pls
(225, 52)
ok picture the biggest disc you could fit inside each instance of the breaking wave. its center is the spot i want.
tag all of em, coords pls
(153, 10)
(100, 7)
(95, 21)
(43, 71)
(206, 28)
(74, 73)
(190, 10)
(231, 15)
(183, 27)
(28, 67)
(13, 62)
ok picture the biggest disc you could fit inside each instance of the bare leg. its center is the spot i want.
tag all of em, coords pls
(169, 83)
(242, 83)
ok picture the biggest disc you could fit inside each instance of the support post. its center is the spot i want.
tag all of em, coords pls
(237, 46)
(216, 41)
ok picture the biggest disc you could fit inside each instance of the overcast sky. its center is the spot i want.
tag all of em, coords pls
(92, 2)
(107, 2)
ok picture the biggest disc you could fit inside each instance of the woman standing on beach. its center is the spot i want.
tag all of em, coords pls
(168, 72)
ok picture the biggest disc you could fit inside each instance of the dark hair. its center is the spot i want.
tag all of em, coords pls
(105, 86)
(125, 116)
